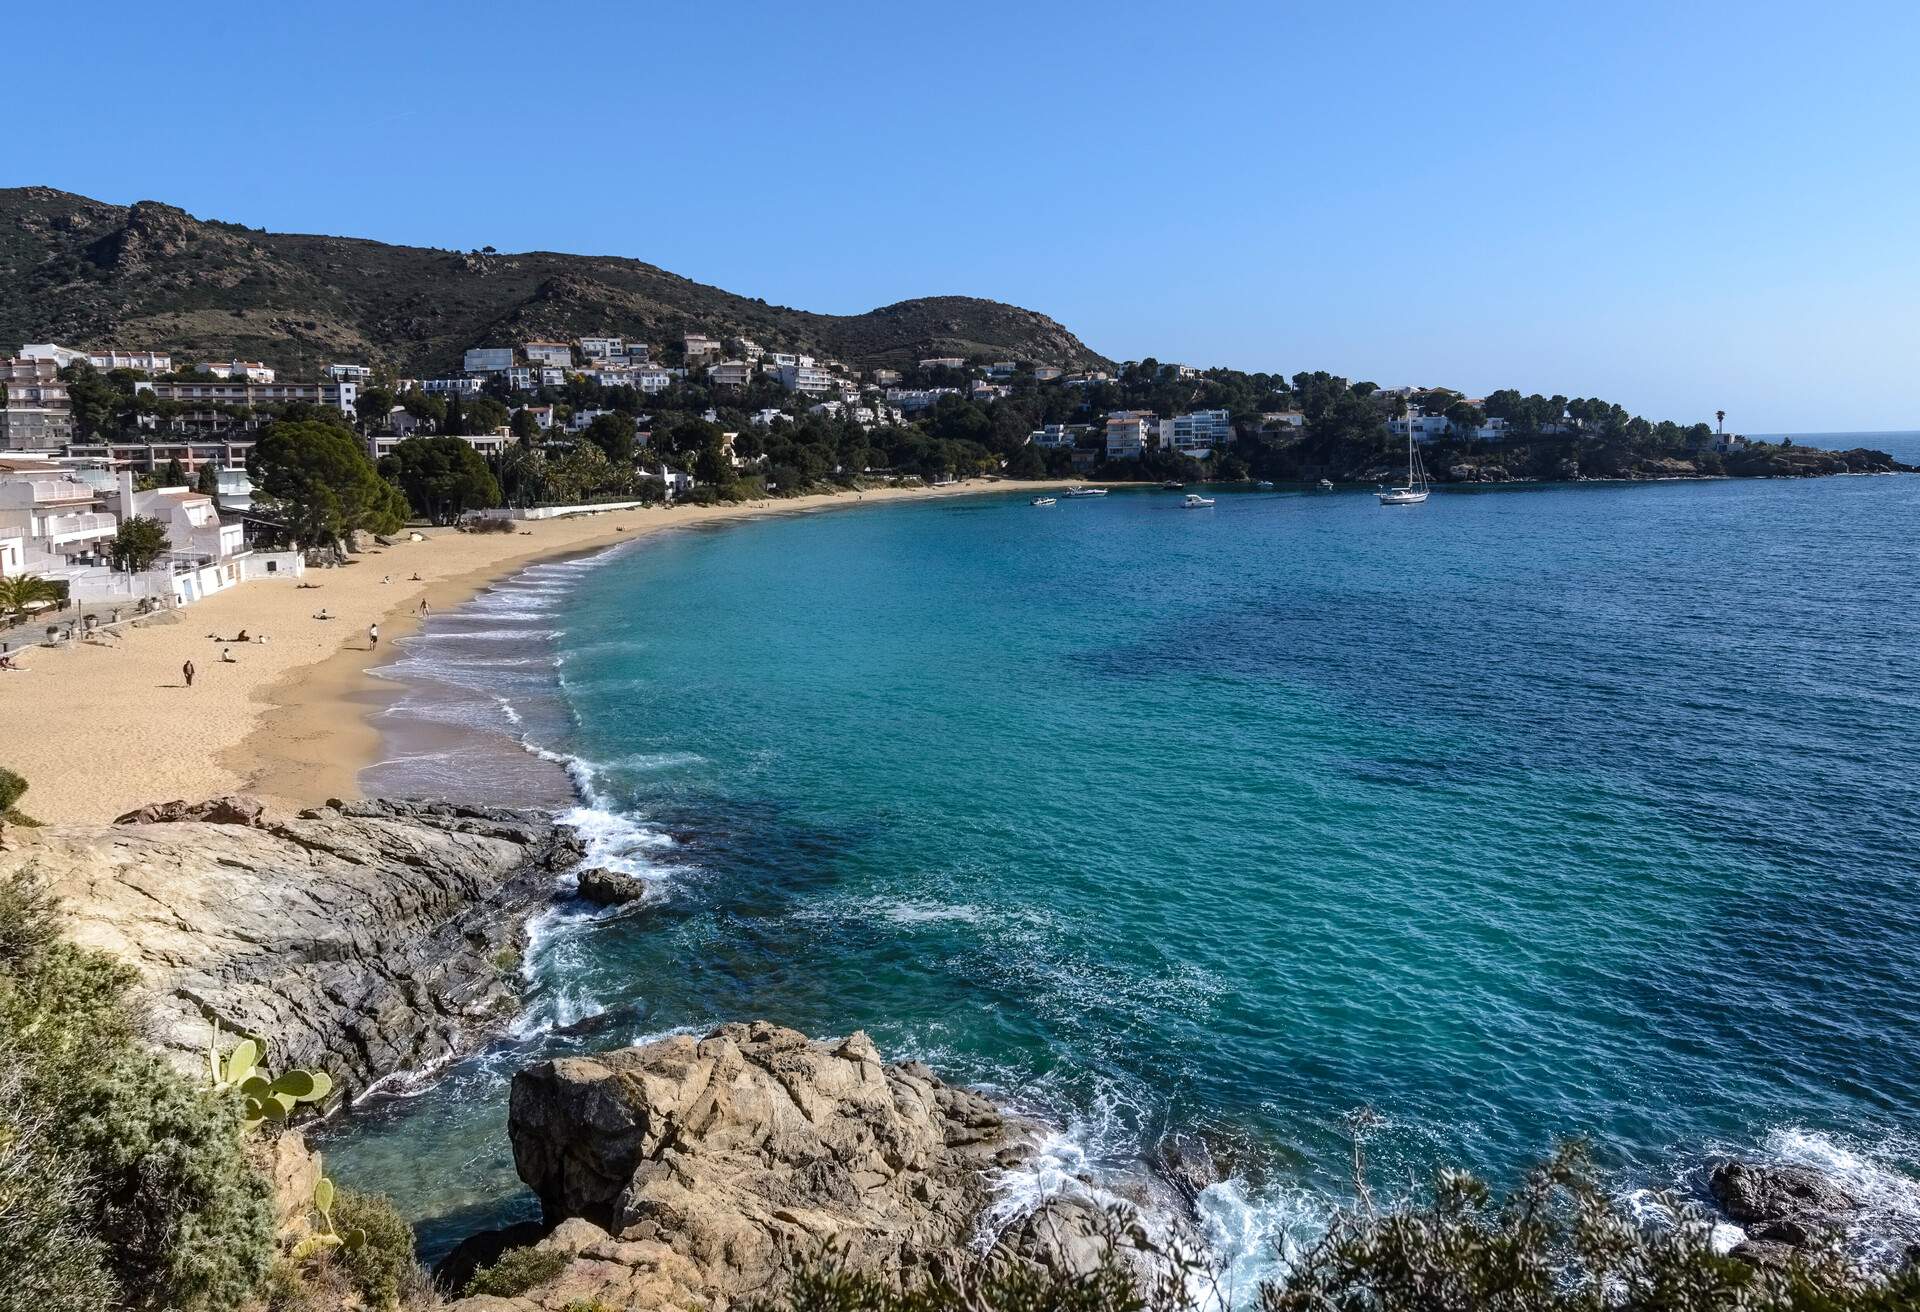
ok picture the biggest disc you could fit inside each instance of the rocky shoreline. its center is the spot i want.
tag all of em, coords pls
(378, 938)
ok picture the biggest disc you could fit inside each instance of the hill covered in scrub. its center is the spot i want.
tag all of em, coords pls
(86, 273)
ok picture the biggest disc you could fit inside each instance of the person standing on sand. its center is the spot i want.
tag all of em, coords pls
(373, 636)
(187, 671)
(423, 608)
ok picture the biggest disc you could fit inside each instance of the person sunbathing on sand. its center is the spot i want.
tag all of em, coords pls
(9, 663)
(321, 614)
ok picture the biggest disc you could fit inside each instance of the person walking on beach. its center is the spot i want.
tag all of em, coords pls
(187, 671)
(373, 636)
(423, 608)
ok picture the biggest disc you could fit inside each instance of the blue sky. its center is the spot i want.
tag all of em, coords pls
(1681, 207)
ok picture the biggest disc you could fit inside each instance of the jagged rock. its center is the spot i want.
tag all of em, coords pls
(702, 1172)
(360, 937)
(1752, 1194)
(231, 810)
(610, 887)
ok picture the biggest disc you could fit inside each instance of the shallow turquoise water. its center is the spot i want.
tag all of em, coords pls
(1525, 813)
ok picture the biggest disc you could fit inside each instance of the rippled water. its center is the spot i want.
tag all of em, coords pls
(1526, 813)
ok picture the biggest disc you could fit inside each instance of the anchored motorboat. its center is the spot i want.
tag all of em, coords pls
(1194, 501)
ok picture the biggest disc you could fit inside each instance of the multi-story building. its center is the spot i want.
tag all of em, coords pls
(1198, 433)
(1426, 428)
(638, 353)
(351, 373)
(1051, 436)
(61, 356)
(39, 413)
(600, 348)
(1001, 370)
(943, 362)
(1130, 433)
(341, 396)
(730, 373)
(56, 517)
(487, 360)
(787, 360)
(252, 371)
(700, 349)
(749, 350)
(487, 444)
(885, 377)
(149, 362)
(558, 353)
(150, 457)
(805, 379)
(914, 400)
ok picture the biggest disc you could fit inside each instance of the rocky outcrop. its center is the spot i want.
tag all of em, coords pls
(1782, 1208)
(365, 938)
(701, 1172)
(214, 811)
(610, 888)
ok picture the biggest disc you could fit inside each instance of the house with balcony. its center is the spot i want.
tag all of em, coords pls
(730, 373)
(351, 373)
(1051, 437)
(146, 362)
(700, 349)
(553, 353)
(1198, 434)
(251, 371)
(602, 348)
(487, 360)
(58, 519)
(1131, 434)
(805, 379)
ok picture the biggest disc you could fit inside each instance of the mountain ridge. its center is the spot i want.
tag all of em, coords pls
(92, 274)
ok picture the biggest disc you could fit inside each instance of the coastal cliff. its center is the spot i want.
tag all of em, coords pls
(364, 938)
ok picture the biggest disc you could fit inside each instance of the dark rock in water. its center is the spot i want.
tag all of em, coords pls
(363, 938)
(1764, 1253)
(610, 888)
(1187, 1163)
(704, 1172)
(453, 1271)
(231, 810)
(1751, 1194)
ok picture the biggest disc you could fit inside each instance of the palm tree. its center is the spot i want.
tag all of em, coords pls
(20, 594)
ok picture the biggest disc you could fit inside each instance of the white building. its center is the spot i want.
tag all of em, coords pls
(1045, 373)
(151, 362)
(453, 386)
(195, 531)
(1001, 370)
(699, 349)
(1197, 434)
(56, 518)
(556, 353)
(62, 356)
(600, 348)
(1426, 428)
(252, 371)
(730, 373)
(351, 373)
(943, 362)
(765, 418)
(1130, 433)
(913, 400)
(805, 379)
(1052, 436)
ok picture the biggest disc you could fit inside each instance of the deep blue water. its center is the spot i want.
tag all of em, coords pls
(1526, 813)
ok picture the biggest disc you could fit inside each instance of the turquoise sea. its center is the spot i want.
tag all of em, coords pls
(1531, 812)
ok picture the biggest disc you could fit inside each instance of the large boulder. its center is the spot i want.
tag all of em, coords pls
(231, 810)
(365, 938)
(1758, 1195)
(610, 887)
(703, 1172)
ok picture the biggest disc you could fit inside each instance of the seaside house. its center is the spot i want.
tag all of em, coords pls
(1197, 434)
(154, 454)
(12, 557)
(56, 518)
(1130, 433)
(1052, 436)
(730, 373)
(554, 353)
(59, 356)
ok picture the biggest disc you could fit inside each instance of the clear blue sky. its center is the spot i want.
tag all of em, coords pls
(1678, 206)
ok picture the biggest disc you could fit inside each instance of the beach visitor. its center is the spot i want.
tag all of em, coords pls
(226, 656)
(187, 671)
(373, 636)
(424, 608)
(8, 663)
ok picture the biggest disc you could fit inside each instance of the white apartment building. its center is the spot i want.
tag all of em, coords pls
(60, 356)
(1130, 433)
(730, 373)
(252, 371)
(885, 377)
(805, 379)
(913, 400)
(453, 386)
(1198, 433)
(1052, 436)
(1426, 428)
(55, 517)
(788, 360)
(360, 374)
(555, 353)
(193, 524)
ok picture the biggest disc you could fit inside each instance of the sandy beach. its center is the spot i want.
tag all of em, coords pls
(98, 729)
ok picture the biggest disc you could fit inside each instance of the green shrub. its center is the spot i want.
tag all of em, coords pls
(161, 1191)
(383, 1269)
(12, 789)
(52, 1259)
(516, 1272)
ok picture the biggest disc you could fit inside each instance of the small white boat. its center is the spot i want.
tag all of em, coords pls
(1194, 501)
(1043, 501)
(1326, 485)
(1265, 485)
(1416, 489)
(1086, 492)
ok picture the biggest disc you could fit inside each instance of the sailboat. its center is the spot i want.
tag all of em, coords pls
(1416, 488)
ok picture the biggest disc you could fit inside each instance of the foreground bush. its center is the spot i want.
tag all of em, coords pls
(122, 1184)
(517, 1271)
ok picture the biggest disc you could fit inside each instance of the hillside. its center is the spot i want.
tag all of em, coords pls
(85, 273)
